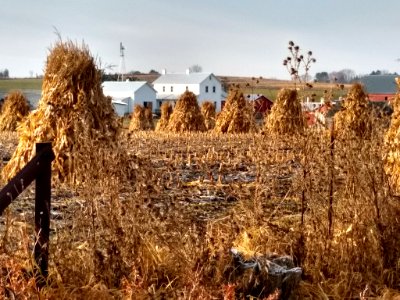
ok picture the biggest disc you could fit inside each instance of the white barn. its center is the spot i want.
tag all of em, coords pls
(126, 94)
(206, 86)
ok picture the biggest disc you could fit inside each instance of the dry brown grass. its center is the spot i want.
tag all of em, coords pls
(199, 194)
(13, 111)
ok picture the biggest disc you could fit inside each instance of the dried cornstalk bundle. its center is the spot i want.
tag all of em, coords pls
(208, 111)
(166, 111)
(14, 110)
(138, 121)
(286, 116)
(76, 117)
(356, 116)
(392, 141)
(148, 115)
(186, 115)
(237, 115)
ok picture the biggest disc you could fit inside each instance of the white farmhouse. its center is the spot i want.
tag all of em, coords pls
(205, 86)
(126, 94)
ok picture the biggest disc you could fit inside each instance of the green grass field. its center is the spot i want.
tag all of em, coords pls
(20, 84)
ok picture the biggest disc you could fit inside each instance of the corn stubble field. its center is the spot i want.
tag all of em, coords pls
(144, 214)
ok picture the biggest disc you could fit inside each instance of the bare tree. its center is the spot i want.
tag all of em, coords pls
(195, 69)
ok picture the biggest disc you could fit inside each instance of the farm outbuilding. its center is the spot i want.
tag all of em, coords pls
(126, 94)
(380, 87)
(262, 104)
(206, 87)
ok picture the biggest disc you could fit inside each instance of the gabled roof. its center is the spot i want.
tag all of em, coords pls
(380, 84)
(191, 78)
(123, 86)
(253, 97)
(120, 101)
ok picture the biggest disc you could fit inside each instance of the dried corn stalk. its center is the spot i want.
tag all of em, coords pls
(237, 115)
(392, 141)
(14, 110)
(76, 117)
(186, 115)
(356, 116)
(142, 119)
(208, 111)
(286, 116)
(166, 111)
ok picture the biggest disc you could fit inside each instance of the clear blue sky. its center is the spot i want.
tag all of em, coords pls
(235, 37)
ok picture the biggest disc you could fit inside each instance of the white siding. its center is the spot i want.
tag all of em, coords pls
(137, 92)
(214, 97)
(120, 109)
(145, 94)
(164, 91)
(177, 89)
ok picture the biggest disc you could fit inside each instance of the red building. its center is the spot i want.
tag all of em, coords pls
(380, 87)
(262, 104)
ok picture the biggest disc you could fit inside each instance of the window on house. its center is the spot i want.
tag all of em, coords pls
(187, 88)
(163, 88)
(206, 88)
(214, 89)
(172, 89)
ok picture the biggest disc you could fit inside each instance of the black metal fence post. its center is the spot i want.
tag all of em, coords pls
(42, 211)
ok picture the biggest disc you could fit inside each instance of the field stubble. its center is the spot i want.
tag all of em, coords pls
(168, 234)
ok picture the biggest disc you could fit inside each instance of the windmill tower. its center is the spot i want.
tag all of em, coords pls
(122, 70)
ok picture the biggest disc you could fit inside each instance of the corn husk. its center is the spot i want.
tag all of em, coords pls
(355, 118)
(166, 111)
(13, 111)
(286, 116)
(208, 111)
(237, 115)
(142, 119)
(76, 117)
(186, 115)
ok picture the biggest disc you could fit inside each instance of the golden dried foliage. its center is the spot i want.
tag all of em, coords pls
(76, 117)
(166, 111)
(208, 111)
(286, 115)
(186, 115)
(237, 115)
(392, 141)
(142, 119)
(355, 118)
(13, 111)
(148, 115)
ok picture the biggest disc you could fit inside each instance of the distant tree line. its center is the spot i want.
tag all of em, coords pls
(4, 74)
(342, 76)
(346, 76)
(130, 75)
(382, 72)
